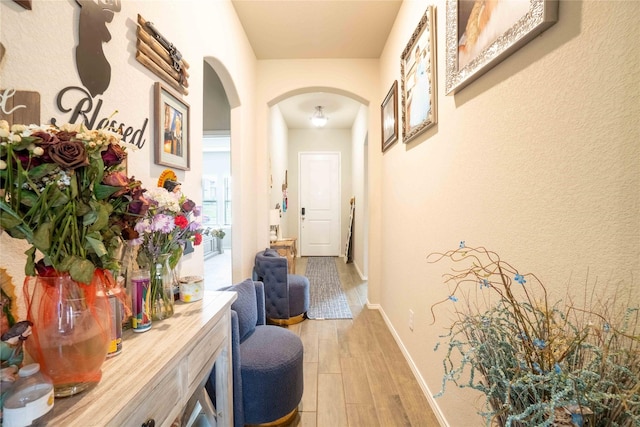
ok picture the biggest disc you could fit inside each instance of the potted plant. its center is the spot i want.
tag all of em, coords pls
(537, 362)
(219, 235)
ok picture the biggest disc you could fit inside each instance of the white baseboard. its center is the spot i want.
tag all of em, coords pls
(362, 276)
(423, 385)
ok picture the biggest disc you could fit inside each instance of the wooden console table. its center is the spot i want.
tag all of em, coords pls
(287, 248)
(161, 372)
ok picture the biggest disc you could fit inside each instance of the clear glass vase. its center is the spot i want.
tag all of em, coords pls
(175, 263)
(128, 266)
(161, 288)
(71, 329)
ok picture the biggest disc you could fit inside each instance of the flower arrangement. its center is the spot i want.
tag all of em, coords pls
(538, 363)
(171, 220)
(64, 191)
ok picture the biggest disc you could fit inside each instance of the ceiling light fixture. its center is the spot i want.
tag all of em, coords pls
(319, 119)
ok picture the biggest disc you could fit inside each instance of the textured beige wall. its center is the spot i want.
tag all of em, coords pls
(278, 165)
(359, 175)
(539, 160)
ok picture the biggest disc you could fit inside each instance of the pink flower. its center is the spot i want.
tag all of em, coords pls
(163, 223)
(117, 179)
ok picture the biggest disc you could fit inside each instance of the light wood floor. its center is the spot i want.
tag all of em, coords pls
(354, 372)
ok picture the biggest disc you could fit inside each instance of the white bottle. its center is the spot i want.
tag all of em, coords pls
(30, 398)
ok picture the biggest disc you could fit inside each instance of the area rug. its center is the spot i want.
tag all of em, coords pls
(328, 300)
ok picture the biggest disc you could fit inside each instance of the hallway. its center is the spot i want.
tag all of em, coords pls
(354, 372)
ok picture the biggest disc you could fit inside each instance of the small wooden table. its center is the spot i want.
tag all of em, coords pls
(287, 248)
(162, 372)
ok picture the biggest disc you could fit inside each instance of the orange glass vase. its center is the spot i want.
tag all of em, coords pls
(71, 329)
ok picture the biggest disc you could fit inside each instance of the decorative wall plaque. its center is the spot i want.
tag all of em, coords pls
(160, 56)
(93, 67)
(19, 106)
(24, 3)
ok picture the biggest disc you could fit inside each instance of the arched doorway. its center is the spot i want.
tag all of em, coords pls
(217, 187)
(346, 133)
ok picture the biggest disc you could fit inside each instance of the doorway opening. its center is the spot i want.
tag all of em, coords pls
(345, 132)
(216, 182)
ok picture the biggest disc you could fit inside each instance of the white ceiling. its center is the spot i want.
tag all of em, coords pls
(340, 110)
(306, 29)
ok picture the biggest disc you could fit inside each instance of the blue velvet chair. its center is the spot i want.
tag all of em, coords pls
(286, 295)
(267, 362)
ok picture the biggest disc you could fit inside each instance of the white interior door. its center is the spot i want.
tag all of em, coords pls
(319, 204)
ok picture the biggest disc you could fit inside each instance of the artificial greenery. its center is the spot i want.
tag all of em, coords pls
(539, 363)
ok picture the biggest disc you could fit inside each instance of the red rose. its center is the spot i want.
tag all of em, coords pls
(138, 207)
(129, 233)
(188, 206)
(197, 239)
(46, 139)
(136, 188)
(63, 135)
(27, 161)
(113, 155)
(45, 270)
(181, 221)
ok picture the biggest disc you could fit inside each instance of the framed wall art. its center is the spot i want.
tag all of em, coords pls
(171, 129)
(481, 33)
(418, 71)
(389, 120)
(24, 3)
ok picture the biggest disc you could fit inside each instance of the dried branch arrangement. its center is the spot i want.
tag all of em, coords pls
(537, 363)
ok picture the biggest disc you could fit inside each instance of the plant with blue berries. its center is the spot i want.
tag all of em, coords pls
(538, 363)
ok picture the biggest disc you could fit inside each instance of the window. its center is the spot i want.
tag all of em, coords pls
(209, 200)
(216, 187)
(209, 212)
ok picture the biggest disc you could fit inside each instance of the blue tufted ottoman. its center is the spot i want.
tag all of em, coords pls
(286, 295)
(271, 374)
(267, 362)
